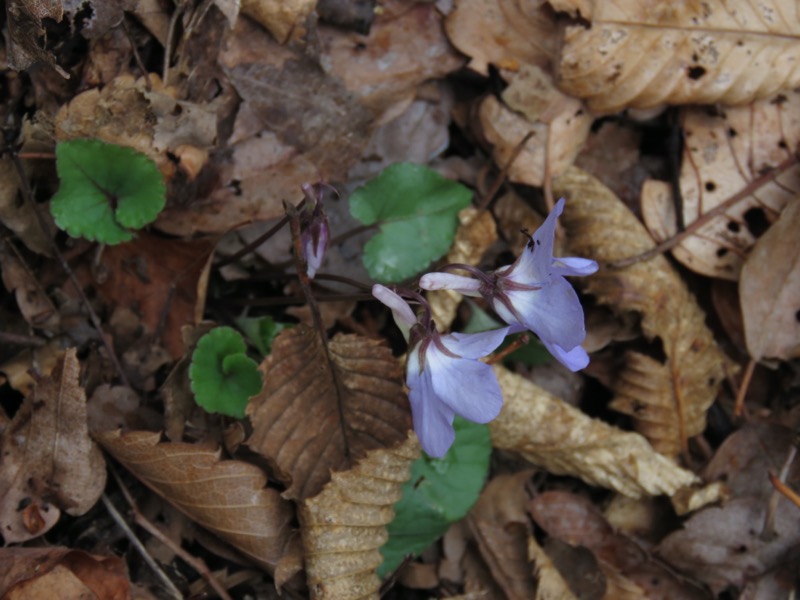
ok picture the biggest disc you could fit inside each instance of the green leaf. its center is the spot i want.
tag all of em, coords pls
(440, 492)
(106, 190)
(223, 377)
(417, 210)
(261, 331)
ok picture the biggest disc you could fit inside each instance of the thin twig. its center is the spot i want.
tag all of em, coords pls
(503, 175)
(173, 24)
(28, 196)
(744, 386)
(171, 589)
(703, 219)
(19, 339)
(136, 57)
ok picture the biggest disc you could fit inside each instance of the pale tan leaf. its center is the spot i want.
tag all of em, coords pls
(727, 153)
(505, 33)
(18, 215)
(555, 143)
(49, 462)
(500, 525)
(476, 232)
(344, 526)
(643, 54)
(550, 585)
(770, 290)
(227, 497)
(564, 441)
(320, 413)
(283, 18)
(667, 399)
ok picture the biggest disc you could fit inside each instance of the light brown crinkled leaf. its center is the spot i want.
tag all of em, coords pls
(724, 153)
(668, 400)
(505, 33)
(49, 462)
(769, 290)
(344, 526)
(314, 416)
(563, 440)
(476, 232)
(227, 497)
(501, 527)
(550, 585)
(643, 54)
(283, 18)
(555, 142)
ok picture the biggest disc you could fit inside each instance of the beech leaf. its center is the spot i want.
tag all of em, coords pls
(227, 497)
(49, 461)
(344, 526)
(641, 55)
(324, 406)
(770, 290)
(667, 399)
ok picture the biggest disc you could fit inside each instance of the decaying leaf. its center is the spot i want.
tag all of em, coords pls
(19, 216)
(35, 305)
(563, 440)
(667, 399)
(59, 572)
(227, 497)
(727, 153)
(321, 412)
(500, 525)
(283, 18)
(643, 54)
(770, 290)
(26, 34)
(505, 33)
(344, 526)
(476, 232)
(49, 461)
(550, 585)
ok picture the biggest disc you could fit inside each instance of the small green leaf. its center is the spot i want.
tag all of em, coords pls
(440, 492)
(417, 210)
(261, 331)
(106, 190)
(223, 377)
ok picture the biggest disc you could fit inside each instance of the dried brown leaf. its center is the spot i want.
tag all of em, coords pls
(318, 414)
(26, 34)
(49, 462)
(668, 400)
(563, 440)
(724, 155)
(505, 33)
(227, 497)
(32, 299)
(643, 54)
(501, 527)
(550, 585)
(770, 290)
(283, 18)
(19, 216)
(344, 526)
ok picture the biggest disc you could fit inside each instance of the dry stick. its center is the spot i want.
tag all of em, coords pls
(768, 532)
(305, 284)
(37, 155)
(28, 196)
(512, 347)
(503, 175)
(136, 57)
(173, 591)
(741, 393)
(196, 563)
(21, 340)
(706, 217)
(173, 23)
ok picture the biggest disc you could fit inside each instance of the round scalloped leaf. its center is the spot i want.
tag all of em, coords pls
(439, 492)
(223, 377)
(417, 210)
(106, 190)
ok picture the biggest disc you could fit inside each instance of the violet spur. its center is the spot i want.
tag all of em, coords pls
(444, 374)
(532, 293)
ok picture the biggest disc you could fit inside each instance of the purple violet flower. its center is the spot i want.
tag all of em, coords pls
(314, 230)
(444, 376)
(532, 293)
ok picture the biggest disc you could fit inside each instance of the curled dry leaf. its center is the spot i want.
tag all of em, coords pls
(727, 153)
(227, 497)
(49, 460)
(476, 231)
(322, 409)
(769, 290)
(505, 33)
(564, 441)
(59, 572)
(643, 54)
(667, 399)
(344, 526)
(500, 525)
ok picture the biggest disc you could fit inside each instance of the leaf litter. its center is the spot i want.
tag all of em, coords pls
(649, 477)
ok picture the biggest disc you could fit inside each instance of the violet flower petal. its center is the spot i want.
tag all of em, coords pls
(468, 387)
(433, 419)
(401, 311)
(474, 345)
(573, 265)
(575, 360)
(449, 281)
